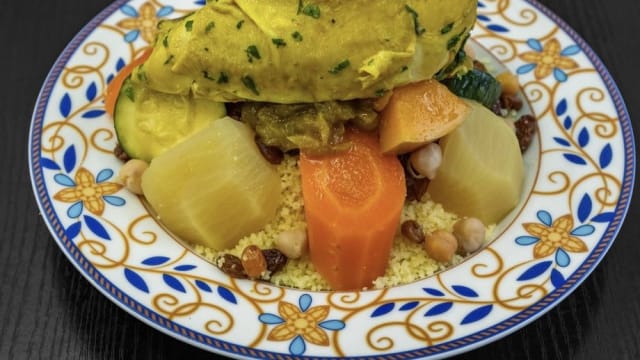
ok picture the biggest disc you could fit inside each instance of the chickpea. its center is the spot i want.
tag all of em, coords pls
(509, 82)
(292, 243)
(131, 175)
(470, 233)
(441, 245)
(426, 160)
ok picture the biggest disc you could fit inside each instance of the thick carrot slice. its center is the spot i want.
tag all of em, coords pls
(352, 204)
(113, 89)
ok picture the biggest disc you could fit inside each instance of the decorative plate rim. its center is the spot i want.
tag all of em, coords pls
(210, 343)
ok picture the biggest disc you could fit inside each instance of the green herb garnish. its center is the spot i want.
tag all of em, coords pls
(223, 78)
(312, 10)
(381, 92)
(252, 53)
(168, 59)
(446, 28)
(129, 92)
(188, 25)
(296, 36)
(250, 84)
(209, 27)
(142, 76)
(165, 41)
(416, 24)
(404, 68)
(239, 24)
(454, 40)
(341, 66)
(278, 42)
(206, 75)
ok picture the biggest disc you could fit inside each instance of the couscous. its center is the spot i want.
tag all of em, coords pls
(389, 126)
(408, 261)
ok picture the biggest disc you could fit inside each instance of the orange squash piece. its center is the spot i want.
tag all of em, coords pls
(418, 114)
(352, 202)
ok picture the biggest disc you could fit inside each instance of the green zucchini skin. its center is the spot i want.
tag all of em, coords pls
(147, 122)
(476, 85)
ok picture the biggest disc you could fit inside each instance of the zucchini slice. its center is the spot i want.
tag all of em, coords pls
(476, 85)
(148, 122)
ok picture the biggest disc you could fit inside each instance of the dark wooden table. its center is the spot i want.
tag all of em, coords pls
(49, 311)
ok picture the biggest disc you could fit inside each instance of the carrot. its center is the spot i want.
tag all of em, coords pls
(352, 204)
(113, 89)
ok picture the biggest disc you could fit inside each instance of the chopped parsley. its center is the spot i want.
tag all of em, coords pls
(296, 36)
(206, 75)
(239, 24)
(129, 92)
(312, 10)
(188, 25)
(446, 28)
(381, 92)
(252, 53)
(142, 76)
(209, 27)
(341, 66)
(278, 42)
(404, 68)
(248, 82)
(168, 59)
(165, 41)
(454, 40)
(416, 24)
(223, 78)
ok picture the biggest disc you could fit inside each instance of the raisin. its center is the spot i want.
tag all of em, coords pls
(276, 260)
(412, 231)
(272, 153)
(119, 152)
(416, 188)
(234, 110)
(253, 261)
(479, 65)
(232, 266)
(525, 130)
(510, 102)
(497, 108)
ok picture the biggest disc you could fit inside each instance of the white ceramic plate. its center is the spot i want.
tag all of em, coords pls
(580, 176)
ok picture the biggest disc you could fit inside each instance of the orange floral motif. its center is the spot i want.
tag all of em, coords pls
(556, 236)
(549, 57)
(301, 323)
(145, 22)
(88, 191)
